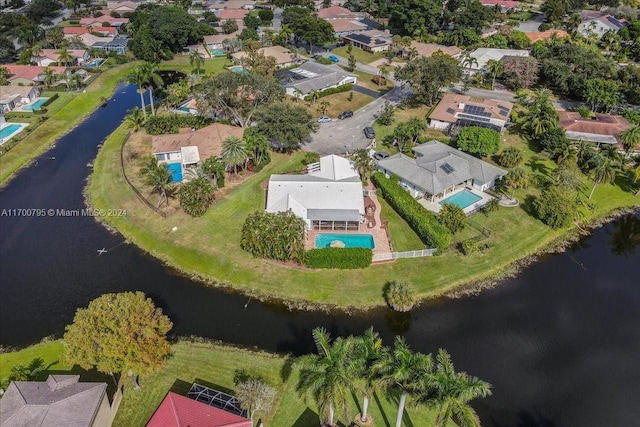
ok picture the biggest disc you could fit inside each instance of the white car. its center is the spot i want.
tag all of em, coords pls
(324, 119)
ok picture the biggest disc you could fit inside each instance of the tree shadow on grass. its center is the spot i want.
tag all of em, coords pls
(538, 166)
(384, 416)
(306, 419)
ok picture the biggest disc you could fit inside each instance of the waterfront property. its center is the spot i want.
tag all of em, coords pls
(188, 148)
(283, 56)
(34, 106)
(601, 129)
(9, 130)
(438, 171)
(61, 400)
(454, 111)
(330, 240)
(12, 97)
(311, 76)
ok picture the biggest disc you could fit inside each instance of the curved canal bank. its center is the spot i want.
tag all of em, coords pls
(558, 342)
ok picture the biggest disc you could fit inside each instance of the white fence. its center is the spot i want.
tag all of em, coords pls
(408, 254)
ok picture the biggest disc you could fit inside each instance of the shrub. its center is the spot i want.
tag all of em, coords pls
(585, 112)
(469, 247)
(196, 196)
(324, 61)
(424, 223)
(452, 217)
(510, 157)
(278, 236)
(399, 295)
(476, 140)
(342, 258)
(555, 207)
(331, 91)
(553, 140)
(492, 206)
(171, 123)
(310, 157)
(50, 100)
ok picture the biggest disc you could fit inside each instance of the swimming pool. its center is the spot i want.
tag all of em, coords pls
(239, 69)
(9, 130)
(36, 105)
(175, 169)
(94, 63)
(349, 240)
(217, 52)
(463, 199)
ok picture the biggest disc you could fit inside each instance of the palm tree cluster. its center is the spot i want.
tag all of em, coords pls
(157, 176)
(345, 366)
(146, 77)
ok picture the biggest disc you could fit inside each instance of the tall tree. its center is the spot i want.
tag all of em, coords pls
(158, 177)
(402, 371)
(138, 78)
(327, 376)
(428, 75)
(287, 123)
(117, 333)
(239, 95)
(450, 393)
(605, 171)
(152, 80)
(196, 60)
(368, 352)
(408, 16)
(234, 153)
(630, 138)
(520, 72)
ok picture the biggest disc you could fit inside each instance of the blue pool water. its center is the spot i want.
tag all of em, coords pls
(7, 131)
(94, 63)
(239, 69)
(463, 199)
(36, 105)
(349, 240)
(217, 52)
(176, 171)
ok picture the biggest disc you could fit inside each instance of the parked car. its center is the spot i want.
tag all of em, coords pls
(345, 114)
(324, 119)
(379, 155)
(369, 132)
(334, 58)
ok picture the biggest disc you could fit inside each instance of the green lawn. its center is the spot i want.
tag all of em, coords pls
(181, 63)
(360, 55)
(215, 366)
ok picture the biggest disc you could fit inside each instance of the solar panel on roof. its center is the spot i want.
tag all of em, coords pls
(476, 111)
(451, 111)
(447, 168)
(504, 113)
(474, 118)
(502, 107)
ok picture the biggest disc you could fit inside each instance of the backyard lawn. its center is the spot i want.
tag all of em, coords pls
(360, 55)
(338, 102)
(215, 366)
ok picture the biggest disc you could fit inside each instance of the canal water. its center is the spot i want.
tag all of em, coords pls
(560, 343)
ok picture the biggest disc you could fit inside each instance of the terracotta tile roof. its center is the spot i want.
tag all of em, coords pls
(344, 25)
(30, 72)
(336, 12)
(237, 14)
(219, 38)
(53, 53)
(603, 124)
(208, 140)
(104, 30)
(104, 18)
(75, 31)
(536, 36)
(452, 103)
(507, 4)
(180, 411)
(428, 49)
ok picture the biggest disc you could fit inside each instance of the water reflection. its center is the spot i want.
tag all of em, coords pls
(625, 235)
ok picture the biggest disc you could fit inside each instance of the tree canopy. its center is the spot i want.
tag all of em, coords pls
(117, 333)
(409, 16)
(428, 75)
(238, 95)
(478, 141)
(287, 123)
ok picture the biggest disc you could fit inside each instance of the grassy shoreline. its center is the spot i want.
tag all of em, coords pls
(207, 249)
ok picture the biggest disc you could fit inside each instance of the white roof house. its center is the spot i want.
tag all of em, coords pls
(597, 27)
(329, 194)
(312, 76)
(486, 54)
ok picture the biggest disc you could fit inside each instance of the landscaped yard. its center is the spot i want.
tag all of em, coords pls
(214, 366)
(360, 55)
(402, 115)
(338, 102)
(364, 80)
(180, 62)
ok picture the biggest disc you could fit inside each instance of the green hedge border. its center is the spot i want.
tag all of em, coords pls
(341, 258)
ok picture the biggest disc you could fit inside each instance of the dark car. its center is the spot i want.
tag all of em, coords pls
(379, 155)
(369, 132)
(345, 114)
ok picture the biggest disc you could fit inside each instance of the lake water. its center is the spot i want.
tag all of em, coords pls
(560, 343)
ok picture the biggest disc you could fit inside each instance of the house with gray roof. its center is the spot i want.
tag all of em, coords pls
(439, 169)
(311, 76)
(328, 197)
(60, 401)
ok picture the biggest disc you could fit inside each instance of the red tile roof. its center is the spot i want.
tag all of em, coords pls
(237, 14)
(603, 124)
(535, 36)
(336, 12)
(75, 31)
(180, 411)
(508, 4)
(112, 31)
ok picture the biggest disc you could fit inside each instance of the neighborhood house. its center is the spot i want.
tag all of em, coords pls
(370, 41)
(462, 110)
(597, 27)
(479, 58)
(49, 56)
(438, 170)
(328, 197)
(283, 56)
(311, 76)
(15, 96)
(602, 129)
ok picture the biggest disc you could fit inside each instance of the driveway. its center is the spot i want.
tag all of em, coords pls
(531, 25)
(505, 95)
(366, 91)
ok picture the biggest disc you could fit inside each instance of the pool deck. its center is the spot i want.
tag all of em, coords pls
(435, 206)
(7, 124)
(21, 108)
(371, 225)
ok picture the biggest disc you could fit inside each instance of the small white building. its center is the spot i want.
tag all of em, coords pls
(485, 54)
(328, 197)
(597, 27)
(311, 76)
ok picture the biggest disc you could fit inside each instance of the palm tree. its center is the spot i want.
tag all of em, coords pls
(327, 375)
(138, 78)
(256, 144)
(152, 79)
(541, 115)
(4, 75)
(403, 370)
(36, 51)
(284, 35)
(585, 154)
(469, 61)
(364, 163)
(516, 178)
(384, 73)
(636, 177)
(604, 171)
(574, 21)
(495, 68)
(196, 60)
(450, 392)
(630, 138)
(324, 104)
(50, 77)
(65, 57)
(234, 153)
(77, 80)
(368, 352)
(135, 119)
(158, 177)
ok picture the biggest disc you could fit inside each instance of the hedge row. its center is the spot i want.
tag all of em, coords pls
(331, 91)
(342, 258)
(424, 223)
(171, 123)
(50, 100)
